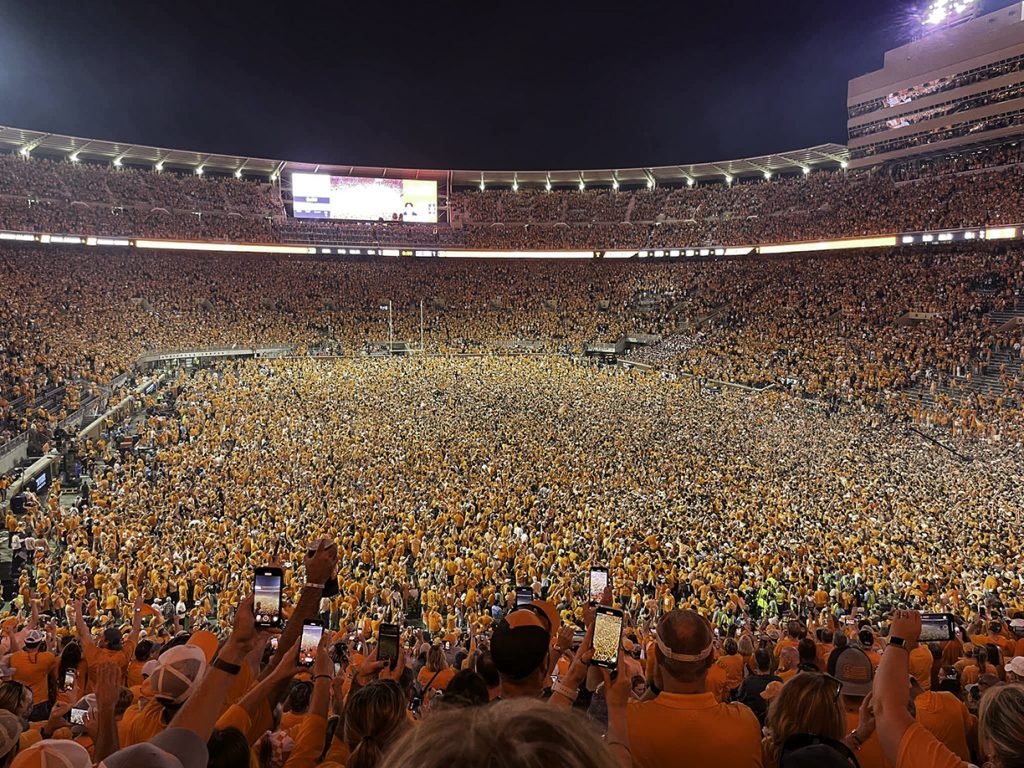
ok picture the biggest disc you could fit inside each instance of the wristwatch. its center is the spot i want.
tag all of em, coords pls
(899, 642)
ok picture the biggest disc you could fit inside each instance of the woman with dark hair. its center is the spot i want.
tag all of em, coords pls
(228, 748)
(70, 658)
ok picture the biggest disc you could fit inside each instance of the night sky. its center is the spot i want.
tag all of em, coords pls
(555, 84)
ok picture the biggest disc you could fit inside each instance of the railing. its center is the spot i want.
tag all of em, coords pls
(13, 444)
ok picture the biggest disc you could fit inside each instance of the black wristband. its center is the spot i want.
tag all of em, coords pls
(225, 666)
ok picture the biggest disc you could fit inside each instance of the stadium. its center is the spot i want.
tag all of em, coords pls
(716, 463)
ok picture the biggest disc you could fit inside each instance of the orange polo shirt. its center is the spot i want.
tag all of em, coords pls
(947, 718)
(920, 749)
(722, 735)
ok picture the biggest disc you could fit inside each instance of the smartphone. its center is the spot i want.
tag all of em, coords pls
(524, 596)
(937, 627)
(78, 716)
(267, 584)
(387, 644)
(607, 637)
(70, 676)
(274, 641)
(598, 581)
(311, 633)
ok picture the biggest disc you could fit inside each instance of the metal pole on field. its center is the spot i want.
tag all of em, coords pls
(421, 326)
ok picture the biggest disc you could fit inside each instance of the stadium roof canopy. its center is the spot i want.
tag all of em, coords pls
(99, 150)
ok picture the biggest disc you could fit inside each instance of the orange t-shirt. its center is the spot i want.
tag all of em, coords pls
(722, 735)
(921, 666)
(920, 749)
(34, 670)
(717, 683)
(733, 666)
(440, 682)
(947, 718)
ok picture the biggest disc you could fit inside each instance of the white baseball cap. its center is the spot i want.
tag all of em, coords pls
(1016, 666)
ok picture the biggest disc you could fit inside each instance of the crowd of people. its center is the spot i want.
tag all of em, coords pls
(37, 194)
(765, 554)
(832, 328)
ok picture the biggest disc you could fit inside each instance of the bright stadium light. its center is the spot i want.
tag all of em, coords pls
(690, 181)
(238, 173)
(515, 186)
(73, 157)
(615, 183)
(547, 185)
(199, 171)
(159, 166)
(728, 179)
(941, 11)
(117, 162)
(650, 183)
(843, 164)
(482, 186)
(24, 151)
(767, 175)
(807, 170)
(582, 185)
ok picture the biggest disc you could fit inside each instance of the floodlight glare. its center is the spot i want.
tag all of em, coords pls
(159, 166)
(807, 170)
(238, 173)
(615, 183)
(482, 187)
(767, 175)
(728, 179)
(515, 186)
(843, 164)
(117, 162)
(650, 184)
(199, 171)
(943, 10)
(73, 157)
(582, 185)
(547, 185)
(25, 151)
(690, 181)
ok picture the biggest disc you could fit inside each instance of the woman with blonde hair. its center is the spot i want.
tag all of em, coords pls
(1001, 725)
(519, 733)
(436, 674)
(808, 705)
(375, 717)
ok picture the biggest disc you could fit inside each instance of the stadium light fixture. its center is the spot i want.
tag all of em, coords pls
(650, 183)
(482, 185)
(843, 164)
(515, 186)
(582, 185)
(615, 184)
(728, 179)
(24, 151)
(199, 171)
(238, 173)
(159, 166)
(117, 162)
(690, 181)
(73, 157)
(767, 175)
(807, 170)
(547, 185)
